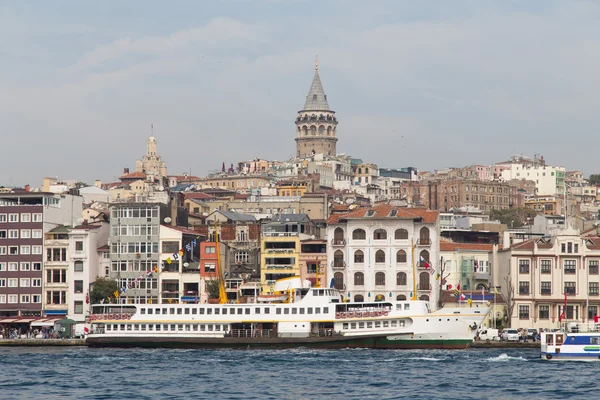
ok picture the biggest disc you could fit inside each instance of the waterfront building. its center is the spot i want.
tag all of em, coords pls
(372, 251)
(25, 218)
(313, 262)
(55, 268)
(468, 264)
(85, 263)
(536, 275)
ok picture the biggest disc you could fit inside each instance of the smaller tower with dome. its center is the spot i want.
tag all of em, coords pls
(151, 164)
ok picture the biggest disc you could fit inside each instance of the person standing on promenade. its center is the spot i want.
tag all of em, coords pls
(596, 321)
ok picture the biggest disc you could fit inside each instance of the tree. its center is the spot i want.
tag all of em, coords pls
(103, 288)
(510, 298)
(81, 185)
(442, 280)
(211, 287)
(513, 217)
(594, 179)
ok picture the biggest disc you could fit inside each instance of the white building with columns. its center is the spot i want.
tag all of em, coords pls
(374, 253)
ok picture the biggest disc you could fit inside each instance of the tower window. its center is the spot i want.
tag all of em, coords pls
(314, 97)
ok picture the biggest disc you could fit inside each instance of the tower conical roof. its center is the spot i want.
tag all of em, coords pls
(316, 99)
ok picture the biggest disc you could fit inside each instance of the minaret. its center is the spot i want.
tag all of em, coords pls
(316, 125)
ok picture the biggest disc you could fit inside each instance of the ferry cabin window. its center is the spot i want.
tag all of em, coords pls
(195, 327)
(369, 325)
(377, 324)
(386, 324)
(325, 310)
(309, 310)
(278, 311)
(187, 328)
(129, 327)
(302, 310)
(151, 327)
(180, 327)
(407, 306)
(317, 310)
(247, 310)
(217, 310)
(187, 310)
(150, 310)
(165, 327)
(194, 311)
(143, 327)
(353, 325)
(286, 310)
(294, 310)
(209, 311)
(201, 311)
(393, 323)
(595, 340)
(173, 326)
(361, 325)
(158, 327)
(267, 310)
(345, 325)
(122, 327)
(257, 310)
(217, 327)
(115, 327)
(142, 311)
(164, 311)
(239, 311)
(179, 311)
(109, 327)
(171, 311)
(157, 311)
(136, 327)
(202, 328)
(210, 328)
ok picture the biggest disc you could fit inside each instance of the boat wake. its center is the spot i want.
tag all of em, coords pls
(506, 357)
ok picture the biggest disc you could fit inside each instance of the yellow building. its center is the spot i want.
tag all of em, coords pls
(279, 258)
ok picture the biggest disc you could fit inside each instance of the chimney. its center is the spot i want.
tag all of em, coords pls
(27, 188)
(98, 183)
(125, 170)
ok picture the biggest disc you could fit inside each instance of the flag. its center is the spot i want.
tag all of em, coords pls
(169, 260)
(462, 296)
(449, 285)
(149, 273)
(116, 293)
(469, 301)
(180, 252)
(475, 266)
(563, 315)
(495, 290)
(87, 297)
(86, 330)
(425, 263)
(432, 272)
(155, 269)
(456, 292)
(437, 277)
(458, 285)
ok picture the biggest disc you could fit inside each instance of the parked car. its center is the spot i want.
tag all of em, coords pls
(489, 334)
(532, 334)
(510, 335)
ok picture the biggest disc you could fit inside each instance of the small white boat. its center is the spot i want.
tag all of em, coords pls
(573, 342)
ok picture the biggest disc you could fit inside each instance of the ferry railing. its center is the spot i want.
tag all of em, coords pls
(246, 333)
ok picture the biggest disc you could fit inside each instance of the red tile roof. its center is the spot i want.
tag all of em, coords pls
(241, 196)
(184, 230)
(451, 246)
(133, 175)
(383, 211)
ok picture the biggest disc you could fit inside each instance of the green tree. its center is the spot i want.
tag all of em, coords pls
(81, 185)
(594, 179)
(103, 288)
(513, 217)
(212, 288)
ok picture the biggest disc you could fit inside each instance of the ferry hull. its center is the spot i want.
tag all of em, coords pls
(335, 342)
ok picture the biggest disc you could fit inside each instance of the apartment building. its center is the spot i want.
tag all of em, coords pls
(540, 271)
(384, 252)
(313, 262)
(468, 264)
(25, 218)
(445, 195)
(56, 266)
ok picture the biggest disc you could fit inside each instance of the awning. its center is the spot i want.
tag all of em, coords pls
(6, 320)
(44, 322)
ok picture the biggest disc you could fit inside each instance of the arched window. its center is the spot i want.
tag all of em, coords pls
(313, 130)
(380, 234)
(400, 297)
(304, 130)
(401, 234)
(379, 297)
(359, 298)
(380, 256)
(360, 171)
(338, 259)
(359, 257)
(359, 234)
(314, 97)
(401, 256)
(338, 237)
(338, 281)
(359, 279)
(424, 297)
(424, 236)
(424, 259)
(366, 170)
(380, 278)
(424, 281)
(401, 279)
(328, 131)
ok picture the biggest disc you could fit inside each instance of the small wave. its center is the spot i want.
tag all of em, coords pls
(425, 358)
(506, 357)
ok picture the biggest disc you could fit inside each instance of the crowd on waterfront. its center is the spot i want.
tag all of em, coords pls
(19, 333)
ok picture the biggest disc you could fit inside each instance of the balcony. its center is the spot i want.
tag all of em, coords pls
(421, 265)
(191, 267)
(423, 242)
(280, 234)
(279, 251)
(338, 264)
(338, 242)
(280, 266)
(482, 276)
(546, 292)
(524, 291)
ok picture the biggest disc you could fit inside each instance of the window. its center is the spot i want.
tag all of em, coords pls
(546, 287)
(25, 249)
(13, 282)
(570, 288)
(338, 279)
(170, 247)
(2, 250)
(13, 298)
(36, 282)
(544, 312)
(569, 247)
(2, 217)
(25, 282)
(401, 279)
(523, 312)
(25, 217)
(401, 234)
(2, 298)
(570, 266)
(25, 233)
(209, 250)
(78, 245)
(36, 249)
(401, 256)
(2, 266)
(380, 256)
(380, 234)
(523, 287)
(210, 267)
(78, 266)
(13, 234)
(359, 279)
(380, 278)
(3, 234)
(78, 286)
(36, 266)
(592, 310)
(359, 257)
(523, 266)
(25, 298)
(241, 257)
(25, 266)
(563, 248)
(13, 266)
(13, 217)
(593, 267)
(36, 233)
(359, 234)
(2, 282)
(546, 266)
(36, 217)
(594, 288)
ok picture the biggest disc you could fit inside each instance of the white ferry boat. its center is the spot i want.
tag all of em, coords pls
(299, 316)
(576, 342)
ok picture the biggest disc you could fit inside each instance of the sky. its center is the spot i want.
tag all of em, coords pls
(428, 84)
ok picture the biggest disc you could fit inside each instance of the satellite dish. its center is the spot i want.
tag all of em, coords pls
(168, 219)
(349, 201)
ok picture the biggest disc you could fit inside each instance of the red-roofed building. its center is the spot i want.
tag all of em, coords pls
(372, 251)
(469, 264)
(541, 270)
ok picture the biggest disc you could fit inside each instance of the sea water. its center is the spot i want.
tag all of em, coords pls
(84, 373)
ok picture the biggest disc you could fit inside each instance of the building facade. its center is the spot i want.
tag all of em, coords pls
(316, 124)
(56, 267)
(385, 252)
